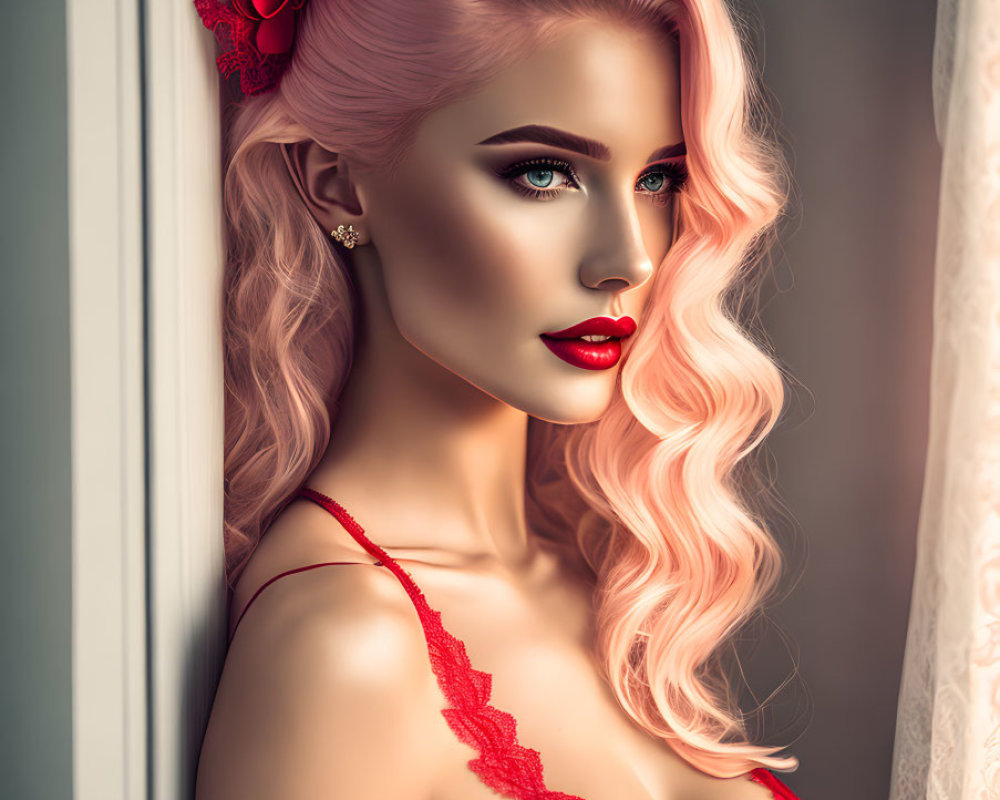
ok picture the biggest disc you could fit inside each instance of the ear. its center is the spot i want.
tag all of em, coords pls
(323, 180)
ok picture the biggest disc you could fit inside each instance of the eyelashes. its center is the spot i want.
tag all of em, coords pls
(547, 178)
(663, 180)
(540, 177)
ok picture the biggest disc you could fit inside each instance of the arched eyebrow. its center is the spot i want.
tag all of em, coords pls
(670, 151)
(544, 134)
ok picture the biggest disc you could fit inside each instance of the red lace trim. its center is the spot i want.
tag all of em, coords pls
(503, 764)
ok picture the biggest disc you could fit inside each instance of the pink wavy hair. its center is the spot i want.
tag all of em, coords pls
(651, 494)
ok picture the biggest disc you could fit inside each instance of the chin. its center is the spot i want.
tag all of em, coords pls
(565, 402)
(535, 383)
(568, 419)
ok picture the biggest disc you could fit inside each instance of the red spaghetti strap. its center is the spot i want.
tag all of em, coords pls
(292, 572)
(778, 789)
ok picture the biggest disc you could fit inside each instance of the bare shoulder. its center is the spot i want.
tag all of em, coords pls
(302, 534)
(327, 682)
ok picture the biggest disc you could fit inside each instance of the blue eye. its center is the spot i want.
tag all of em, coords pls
(661, 183)
(539, 177)
(652, 182)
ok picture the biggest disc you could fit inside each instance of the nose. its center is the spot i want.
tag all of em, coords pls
(616, 258)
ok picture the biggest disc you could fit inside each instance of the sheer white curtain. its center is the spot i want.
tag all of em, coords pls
(948, 725)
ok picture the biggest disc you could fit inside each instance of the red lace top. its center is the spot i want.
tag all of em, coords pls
(503, 764)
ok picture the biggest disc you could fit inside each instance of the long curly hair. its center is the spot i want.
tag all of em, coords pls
(654, 495)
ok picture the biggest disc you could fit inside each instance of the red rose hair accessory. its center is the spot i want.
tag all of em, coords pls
(256, 37)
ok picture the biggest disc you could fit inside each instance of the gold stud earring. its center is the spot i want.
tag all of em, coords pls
(348, 237)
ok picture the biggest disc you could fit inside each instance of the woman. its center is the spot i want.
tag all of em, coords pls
(491, 431)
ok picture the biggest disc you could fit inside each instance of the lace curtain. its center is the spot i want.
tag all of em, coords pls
(948, 723)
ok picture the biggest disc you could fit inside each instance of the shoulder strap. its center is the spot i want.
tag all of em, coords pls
(269, 581)
(358, 533)
(312, 496)
(778, 789)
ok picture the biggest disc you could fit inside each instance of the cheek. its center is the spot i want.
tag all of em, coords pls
(657, 226)
(461, 257)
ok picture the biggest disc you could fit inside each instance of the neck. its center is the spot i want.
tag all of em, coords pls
(421, 457)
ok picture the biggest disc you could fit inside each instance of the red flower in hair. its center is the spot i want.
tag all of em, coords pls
(256, 37)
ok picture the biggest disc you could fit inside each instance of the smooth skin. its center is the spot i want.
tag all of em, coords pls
(327, 690)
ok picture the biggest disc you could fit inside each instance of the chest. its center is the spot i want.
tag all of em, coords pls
(535, 643)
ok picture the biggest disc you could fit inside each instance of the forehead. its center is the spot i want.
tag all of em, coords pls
(602, 80)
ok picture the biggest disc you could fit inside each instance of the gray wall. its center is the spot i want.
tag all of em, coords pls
(849, 311)
(35, 598)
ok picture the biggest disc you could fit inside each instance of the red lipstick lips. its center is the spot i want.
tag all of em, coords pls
(602, 351)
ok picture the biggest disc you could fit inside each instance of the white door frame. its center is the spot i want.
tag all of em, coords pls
(108, 415)
(145, 269)
(185, 257)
